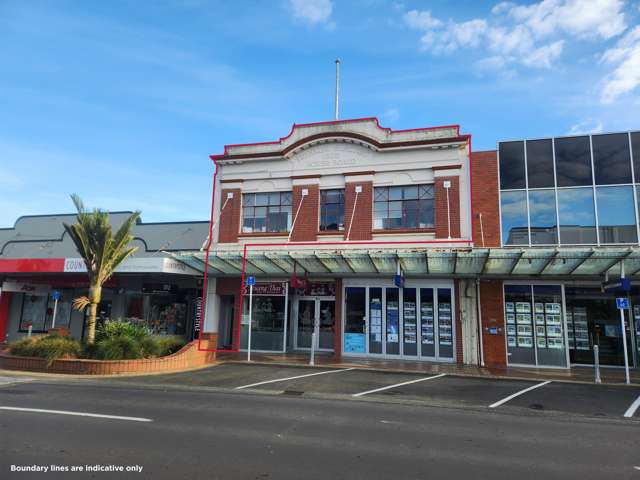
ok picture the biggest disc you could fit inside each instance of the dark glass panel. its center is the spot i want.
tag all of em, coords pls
(512, 165)
(635, 146)
(540, 163)
(616, 215)
(514, 218)
(573, 161)
(542, 215)
(577, 215)
(611, 159)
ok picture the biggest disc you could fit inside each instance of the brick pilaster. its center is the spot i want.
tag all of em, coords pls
(441, 220)
(230, 216)
(484, 172)
(306, 227)
(363, 217)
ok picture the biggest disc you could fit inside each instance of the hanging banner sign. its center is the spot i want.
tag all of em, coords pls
(267, 288)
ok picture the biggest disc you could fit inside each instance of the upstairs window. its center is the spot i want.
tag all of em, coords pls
(266, 212)
(331, 210)
(404, 207)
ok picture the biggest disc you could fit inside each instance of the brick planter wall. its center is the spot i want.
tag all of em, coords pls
(187, 357)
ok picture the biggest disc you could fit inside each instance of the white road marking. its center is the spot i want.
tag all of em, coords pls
(632, 409)
(517, 394)
(12, 380)
(397, 385)
(293, 378)
(78, 414)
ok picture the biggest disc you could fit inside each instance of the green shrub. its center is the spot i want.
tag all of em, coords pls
(118, 348)
(150, 346)
(121, 328)
(50, 347)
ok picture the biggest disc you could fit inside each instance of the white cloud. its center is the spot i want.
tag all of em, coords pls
(421, 20)
(312, 11)
(588, 126)
(530, 35)
(625, 59)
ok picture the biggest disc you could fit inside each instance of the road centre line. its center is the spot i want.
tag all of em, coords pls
(293, 378)
(517, 394)
(78, 414)
(397, 385)
(632, 409)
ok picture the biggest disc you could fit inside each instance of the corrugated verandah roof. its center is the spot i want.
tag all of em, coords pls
(453, 262)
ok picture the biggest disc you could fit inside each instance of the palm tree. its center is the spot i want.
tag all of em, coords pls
(101, 251)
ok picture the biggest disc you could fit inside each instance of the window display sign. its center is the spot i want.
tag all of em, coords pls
(267, 288)
(354, 343)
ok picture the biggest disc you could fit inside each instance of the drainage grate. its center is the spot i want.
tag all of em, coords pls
(293, 393)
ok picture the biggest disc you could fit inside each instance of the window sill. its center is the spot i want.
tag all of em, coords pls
(263, 234)
(331, 232)
(404, 230)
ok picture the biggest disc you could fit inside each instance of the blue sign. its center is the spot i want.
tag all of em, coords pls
(398, 280)
(622, 303)
(625, 283)
(354, 342)
(251, 281)
(56, 295)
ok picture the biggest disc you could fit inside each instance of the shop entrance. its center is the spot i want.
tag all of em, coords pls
(306, 311)
(414, 322)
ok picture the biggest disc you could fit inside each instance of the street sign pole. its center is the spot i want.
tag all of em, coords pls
(623, 304)
(251, 282)
(250, 322)
(55, 311)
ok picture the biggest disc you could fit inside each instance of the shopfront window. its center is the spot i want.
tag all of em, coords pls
(534, 325)
(409, 322)
(38, 311)
(332, 210)
(592, 318)
(355, 320)
(267, 322)
(375, 320)
(266, 212)
(34, 313)
(393, 321)
(427, 322)
(404, 207)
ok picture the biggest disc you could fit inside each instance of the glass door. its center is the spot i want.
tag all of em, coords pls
(308, 310)
(304, 323)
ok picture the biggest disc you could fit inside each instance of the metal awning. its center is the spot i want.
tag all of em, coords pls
(448, 262)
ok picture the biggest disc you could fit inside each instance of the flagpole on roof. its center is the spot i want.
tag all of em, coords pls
(337, 106)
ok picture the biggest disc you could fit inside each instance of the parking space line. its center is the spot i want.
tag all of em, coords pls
(77, 414)
(632, 409)
(293, 378)
(397, 385)
(517, 394)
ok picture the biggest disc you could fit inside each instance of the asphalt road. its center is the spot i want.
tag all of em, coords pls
(194, 432)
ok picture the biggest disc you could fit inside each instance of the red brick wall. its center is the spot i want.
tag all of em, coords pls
(229, 222)
(363, 217)
(337, 329)
(231, 286)
(484, 171)
(5, 302)
(306, 227)
(441, 220)
(491, 306)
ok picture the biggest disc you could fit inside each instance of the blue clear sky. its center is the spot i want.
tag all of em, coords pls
(122, 101)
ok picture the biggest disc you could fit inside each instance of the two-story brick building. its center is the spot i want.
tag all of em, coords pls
(407, 245)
